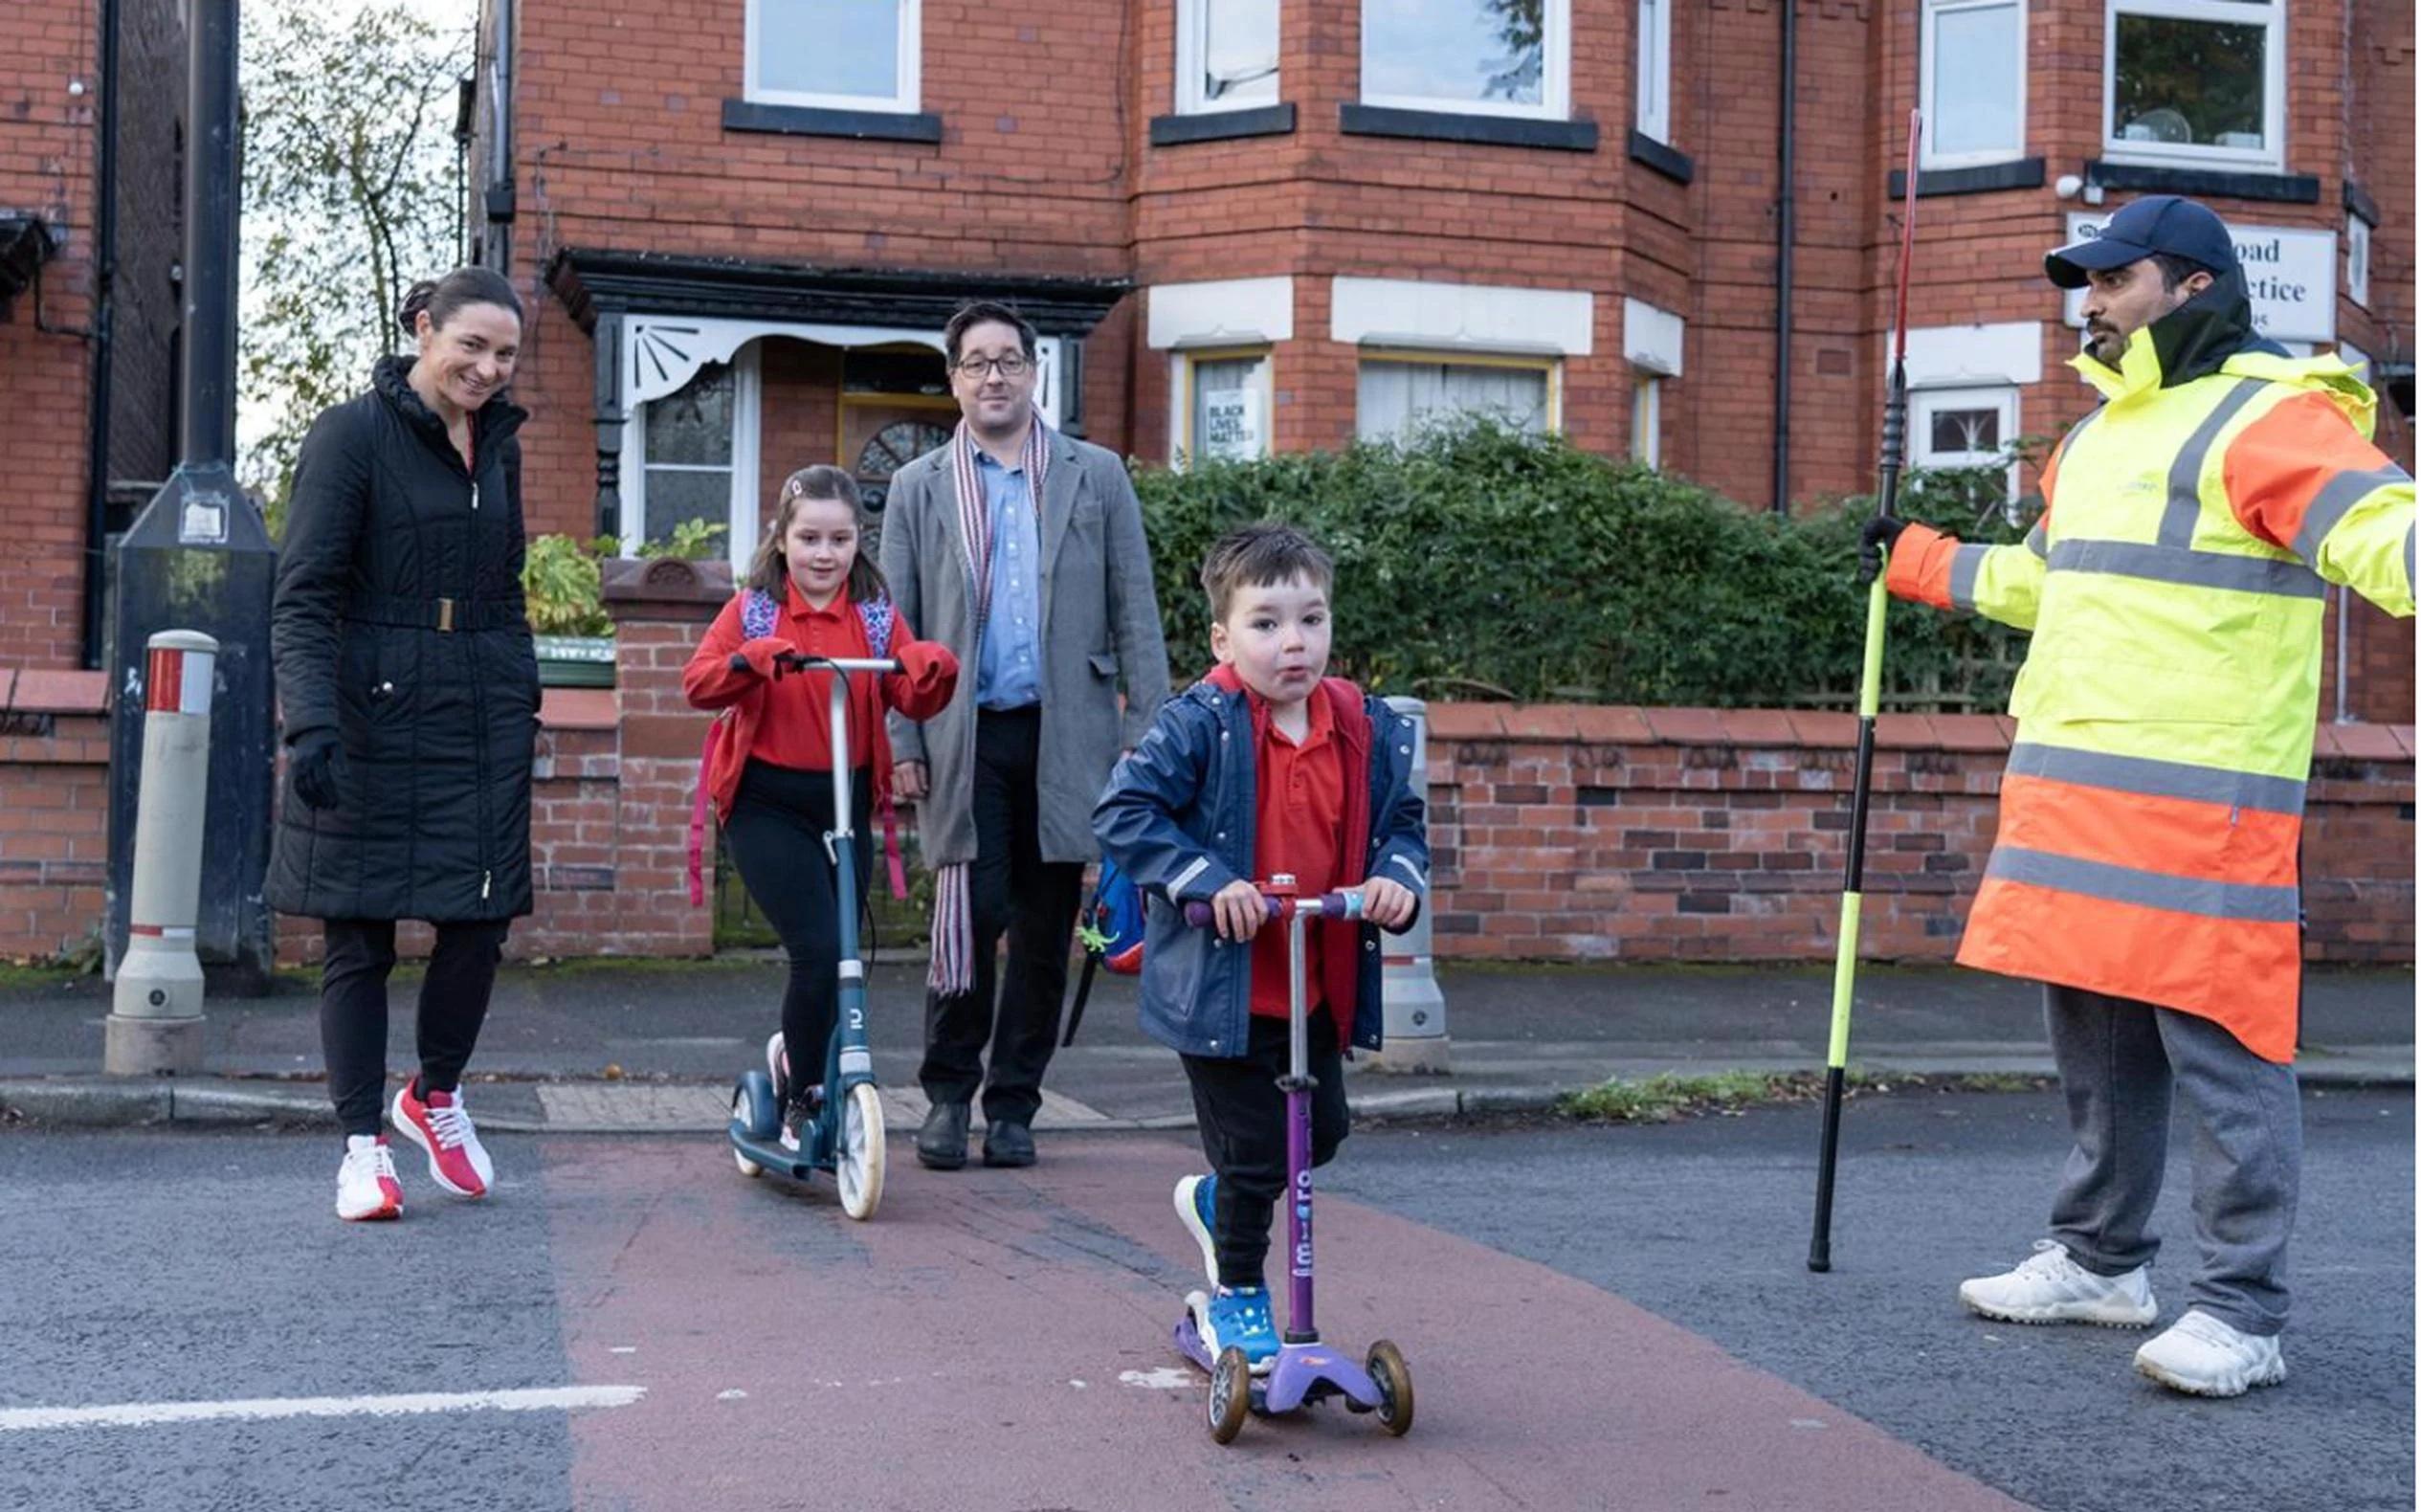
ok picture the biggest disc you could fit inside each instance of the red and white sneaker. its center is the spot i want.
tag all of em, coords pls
(442, 1127)
(777, 1065)
(366, 1187)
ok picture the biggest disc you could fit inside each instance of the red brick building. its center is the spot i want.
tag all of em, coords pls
(1278, 224)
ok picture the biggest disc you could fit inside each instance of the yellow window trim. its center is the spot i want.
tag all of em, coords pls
(1182, 431)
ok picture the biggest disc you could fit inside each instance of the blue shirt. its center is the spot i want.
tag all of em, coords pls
(1008, 674)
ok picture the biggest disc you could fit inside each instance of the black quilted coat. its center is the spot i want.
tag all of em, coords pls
(399, 622)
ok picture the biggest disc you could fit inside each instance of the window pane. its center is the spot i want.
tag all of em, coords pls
(694, 425)
(1228, 419)
(1463, 50)
(1240, 50)
(673, 498)
(829, 47)
(1975, 63)
(2181, 83)
(1955, 431)
(1396, 399)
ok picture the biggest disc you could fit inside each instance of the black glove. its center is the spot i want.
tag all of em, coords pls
(1879, 535)
(315, 758)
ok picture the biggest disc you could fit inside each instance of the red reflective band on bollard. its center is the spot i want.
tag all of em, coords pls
(177, 682)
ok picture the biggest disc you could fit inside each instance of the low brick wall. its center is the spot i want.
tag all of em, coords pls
(1578, 833)
(1561, 832)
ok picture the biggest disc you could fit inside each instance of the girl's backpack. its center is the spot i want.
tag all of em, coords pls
(759, 613)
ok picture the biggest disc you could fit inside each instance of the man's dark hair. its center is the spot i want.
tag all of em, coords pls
(980, 312)
(1257, 555)
(2176, 270)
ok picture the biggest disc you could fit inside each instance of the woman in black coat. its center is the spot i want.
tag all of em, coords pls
(409, 689)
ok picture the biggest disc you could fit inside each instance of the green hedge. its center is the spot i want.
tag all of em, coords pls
(1477, 563)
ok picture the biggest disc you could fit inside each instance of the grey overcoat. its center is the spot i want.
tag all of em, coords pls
(1100, 632)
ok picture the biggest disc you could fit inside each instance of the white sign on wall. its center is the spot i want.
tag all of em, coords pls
(2290, 272)
(1231, 424)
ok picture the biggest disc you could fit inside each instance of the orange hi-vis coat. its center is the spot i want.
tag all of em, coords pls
(2154, 797)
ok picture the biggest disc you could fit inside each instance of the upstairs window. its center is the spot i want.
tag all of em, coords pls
(1974, 63)
(2197, 82)
(834, 54)
(1653, 111)
(1227, 55)
(1488, 57)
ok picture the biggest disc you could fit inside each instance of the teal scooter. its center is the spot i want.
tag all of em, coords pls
(846, 1138)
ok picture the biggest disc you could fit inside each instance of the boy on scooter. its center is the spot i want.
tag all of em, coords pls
(1264, 767)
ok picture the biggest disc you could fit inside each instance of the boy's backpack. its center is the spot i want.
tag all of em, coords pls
(1111, 930)
(759, 613)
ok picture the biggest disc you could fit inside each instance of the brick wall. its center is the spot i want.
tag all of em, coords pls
(1569, 833)
(46, 169)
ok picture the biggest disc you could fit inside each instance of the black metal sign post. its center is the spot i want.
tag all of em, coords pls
(199, 558)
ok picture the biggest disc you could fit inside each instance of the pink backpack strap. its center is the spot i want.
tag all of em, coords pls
(879, 618)
(698, 813)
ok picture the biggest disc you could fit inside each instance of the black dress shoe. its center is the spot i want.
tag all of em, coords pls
(1006, 1144)
(941, 1143)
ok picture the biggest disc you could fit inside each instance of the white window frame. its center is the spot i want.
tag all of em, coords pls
(1652, 109)
(2271, 156)
(2358, 259)
(742, 519)
(1555, 81)
(1181, 395)
(905, 99)
(1647, 416)
(1927, 157)
(1193, 19)
(1923, 403)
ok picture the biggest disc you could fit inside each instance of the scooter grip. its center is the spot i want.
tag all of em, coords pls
(1327, 905)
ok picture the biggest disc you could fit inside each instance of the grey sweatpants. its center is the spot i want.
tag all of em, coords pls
(2117, 1062)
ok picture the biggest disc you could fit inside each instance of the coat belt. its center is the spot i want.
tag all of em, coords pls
(443, 615)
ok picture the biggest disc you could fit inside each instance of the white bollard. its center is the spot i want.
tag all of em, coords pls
(1415, 1009)
(155, 1020)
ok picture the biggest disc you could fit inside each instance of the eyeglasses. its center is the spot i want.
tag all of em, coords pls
(1012, 365)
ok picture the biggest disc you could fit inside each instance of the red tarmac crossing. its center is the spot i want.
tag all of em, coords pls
(996, 1342)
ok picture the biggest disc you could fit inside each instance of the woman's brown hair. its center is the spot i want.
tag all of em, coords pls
(770, 571)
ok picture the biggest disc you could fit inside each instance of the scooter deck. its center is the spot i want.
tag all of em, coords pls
(1301, 1375)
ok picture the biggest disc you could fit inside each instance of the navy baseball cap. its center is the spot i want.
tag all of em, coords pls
(2156, 223)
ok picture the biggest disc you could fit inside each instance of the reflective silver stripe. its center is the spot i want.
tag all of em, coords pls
(2037, 541)
(1177, 885)
(2128, 884)
(1965, 563)
(2407, 562)
(1411, 871)
(2157, 778)
(2186, 473)
(2337, 495)
(2195, 568)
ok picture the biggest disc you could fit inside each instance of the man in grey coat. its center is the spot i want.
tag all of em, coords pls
(1022, 550)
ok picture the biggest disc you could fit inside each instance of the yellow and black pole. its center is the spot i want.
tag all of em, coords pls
(1869, 688)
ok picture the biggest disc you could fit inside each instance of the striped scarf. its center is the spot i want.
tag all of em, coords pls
(953, 972)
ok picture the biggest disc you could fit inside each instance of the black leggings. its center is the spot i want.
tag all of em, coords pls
(1241, 1113)
(776, 836)
(454, 1002)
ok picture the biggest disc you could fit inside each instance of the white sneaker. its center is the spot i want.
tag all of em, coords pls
(2202, 1356)
(365, 1185)
(777, 1065)
(2049, 1288)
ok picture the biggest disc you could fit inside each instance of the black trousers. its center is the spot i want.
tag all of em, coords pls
(1012, 891)
(776, 832)
(1242, 1112)
(454, 1002)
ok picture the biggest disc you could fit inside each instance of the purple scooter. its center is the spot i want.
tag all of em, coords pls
(1305, 1370)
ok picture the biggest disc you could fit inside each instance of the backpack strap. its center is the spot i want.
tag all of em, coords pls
(758, 613)
(880, 620)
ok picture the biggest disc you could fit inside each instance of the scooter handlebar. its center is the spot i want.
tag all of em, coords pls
(1326, 905)
(793, 661)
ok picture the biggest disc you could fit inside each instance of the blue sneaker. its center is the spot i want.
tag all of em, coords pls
(1194, 1208)
(1240, 1317)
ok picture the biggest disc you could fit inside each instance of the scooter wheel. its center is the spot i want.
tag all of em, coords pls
(1230, 1394)
(858, 1170)
(740, 1115)
(1394, 1381)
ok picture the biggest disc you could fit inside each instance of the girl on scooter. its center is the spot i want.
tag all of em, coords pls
(810, 593)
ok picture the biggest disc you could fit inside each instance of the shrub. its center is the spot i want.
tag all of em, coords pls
(1478, 562)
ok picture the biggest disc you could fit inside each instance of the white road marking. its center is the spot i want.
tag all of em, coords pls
(1164, 1378)
(152, 1414)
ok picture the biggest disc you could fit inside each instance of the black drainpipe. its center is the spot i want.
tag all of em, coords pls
(104, 276)
(1785, 232)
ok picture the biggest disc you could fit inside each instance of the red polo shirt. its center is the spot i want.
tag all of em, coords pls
(796, 727)
(1298, 814)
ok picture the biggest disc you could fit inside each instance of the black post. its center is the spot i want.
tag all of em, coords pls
(199, 558)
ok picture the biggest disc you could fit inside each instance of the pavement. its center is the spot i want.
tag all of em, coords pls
(608, 1046)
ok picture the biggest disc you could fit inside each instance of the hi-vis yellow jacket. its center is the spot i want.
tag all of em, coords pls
(2152, 802)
